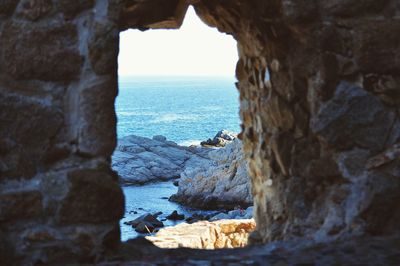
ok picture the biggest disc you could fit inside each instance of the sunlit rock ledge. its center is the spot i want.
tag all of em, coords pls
(205, 235)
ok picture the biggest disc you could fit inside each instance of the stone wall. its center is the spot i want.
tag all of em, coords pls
(320, 135)
(59, 200)
(314, 131)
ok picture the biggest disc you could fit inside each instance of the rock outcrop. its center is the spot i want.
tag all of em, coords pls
(209, 178)
(220, 182)
(205, 235)
(222, 138)
(139, 160)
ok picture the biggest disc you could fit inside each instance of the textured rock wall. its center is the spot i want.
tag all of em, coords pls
(329, 109)
(59, 200)
(319, 135)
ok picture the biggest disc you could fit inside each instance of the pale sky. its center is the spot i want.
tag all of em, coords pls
(194, 50)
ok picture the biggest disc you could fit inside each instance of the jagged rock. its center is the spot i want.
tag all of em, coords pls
(139, 160)
(220, 182)
(222, 138)
(345, 121)
(175, 216)
(146, 219)
(205, 235)
(144, 227)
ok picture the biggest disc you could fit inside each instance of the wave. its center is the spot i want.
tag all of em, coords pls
(191, 142)
(174, 117)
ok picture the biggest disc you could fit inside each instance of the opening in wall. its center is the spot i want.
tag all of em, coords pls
(176, 89)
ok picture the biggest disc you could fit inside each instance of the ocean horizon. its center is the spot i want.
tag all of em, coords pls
(185, 109)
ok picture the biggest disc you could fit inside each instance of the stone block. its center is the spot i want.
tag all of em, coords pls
(71, 9)
(103, 48)
(352, 8)
(18, 205)
(48, 53)
(345, 121)
(34, 9)
(93, 197)
(377, 47)
(97, 131)
(7, 7)
(28, 125)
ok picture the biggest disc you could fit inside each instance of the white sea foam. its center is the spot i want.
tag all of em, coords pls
(191, 142)
(174, 117)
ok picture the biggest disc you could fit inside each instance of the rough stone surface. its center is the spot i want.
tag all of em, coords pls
(205, 235)
(51, 50)
(58, 82)
(139, 160)
(91, 192)
(20, 205)
(344, 121)
(219, 182)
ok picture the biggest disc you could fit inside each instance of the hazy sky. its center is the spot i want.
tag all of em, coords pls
(193, 50)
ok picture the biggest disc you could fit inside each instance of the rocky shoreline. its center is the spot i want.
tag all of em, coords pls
(207, 177)
(212, 176)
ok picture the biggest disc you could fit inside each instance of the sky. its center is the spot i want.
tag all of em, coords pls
(194, 50)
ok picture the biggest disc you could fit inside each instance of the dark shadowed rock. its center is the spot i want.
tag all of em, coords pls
(93, 197)
(7, 6)
(175, 216)
(20, 205)
(51, 50)
(97, 115)
(354, 117)
(146, 220)
(71, 9)
(34, 9)
(103, 47)
(32, 124)
(144, 227)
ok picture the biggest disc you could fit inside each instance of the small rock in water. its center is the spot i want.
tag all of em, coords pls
(175, 216)
(164, 198)
(220, 139)
(191, 220)
(144, 227)
(176, 183)
(147, 218)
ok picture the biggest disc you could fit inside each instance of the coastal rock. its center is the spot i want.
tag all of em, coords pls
(220, 182)
(234, 214)
(145, 223)
(139, 160)
(175, 216)
(222, 138)
(205, 235)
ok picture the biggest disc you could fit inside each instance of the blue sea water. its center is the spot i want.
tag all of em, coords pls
(184, 109)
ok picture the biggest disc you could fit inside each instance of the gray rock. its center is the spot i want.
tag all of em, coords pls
(353, 118)
(222, 138)
(219, 182)
(139, 160)
(147, 219)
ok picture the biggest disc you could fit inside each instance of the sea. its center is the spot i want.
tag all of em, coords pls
(186, 110)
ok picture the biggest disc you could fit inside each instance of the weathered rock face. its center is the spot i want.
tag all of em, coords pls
(205, 235)
(139, 160)
(319, 162)
(220, 182)
(329, 106)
